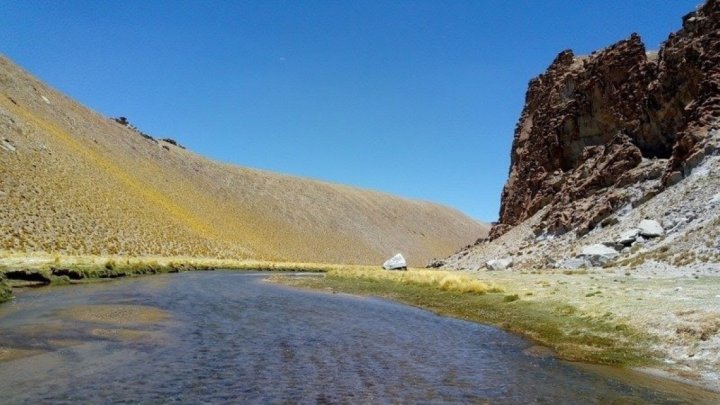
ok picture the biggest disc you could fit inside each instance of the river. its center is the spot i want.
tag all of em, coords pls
(234, 337)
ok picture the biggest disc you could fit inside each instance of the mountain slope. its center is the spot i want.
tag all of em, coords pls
(75, 182)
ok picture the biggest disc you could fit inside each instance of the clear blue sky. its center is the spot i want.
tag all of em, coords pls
(415, 98)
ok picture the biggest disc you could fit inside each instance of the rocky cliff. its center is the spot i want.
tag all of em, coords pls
(612, 205)
(614, 128)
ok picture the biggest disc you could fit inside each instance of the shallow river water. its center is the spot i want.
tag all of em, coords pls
(233, 337)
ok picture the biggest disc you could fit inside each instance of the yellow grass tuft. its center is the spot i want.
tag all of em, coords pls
(443, 280)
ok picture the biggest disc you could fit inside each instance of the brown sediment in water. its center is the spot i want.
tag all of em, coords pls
(60, 343)
(39, 329)
(11, 353)
(121, 323)
(115, 314)
(126, 335)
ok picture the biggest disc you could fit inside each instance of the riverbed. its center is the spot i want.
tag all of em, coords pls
(230, 337)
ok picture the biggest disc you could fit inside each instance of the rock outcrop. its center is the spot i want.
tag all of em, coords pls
(614, 128)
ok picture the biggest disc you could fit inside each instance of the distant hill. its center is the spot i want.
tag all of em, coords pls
(75, 182)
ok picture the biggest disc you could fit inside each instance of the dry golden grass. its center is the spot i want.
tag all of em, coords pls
(14, 260)
(78, 183)
(443, 280)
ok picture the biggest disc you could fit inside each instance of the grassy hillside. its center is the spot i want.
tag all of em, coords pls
(73, 182)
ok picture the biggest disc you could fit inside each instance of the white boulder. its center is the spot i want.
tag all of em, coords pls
(499, 264)
(598, 254)
(396, 262)
(650, 228)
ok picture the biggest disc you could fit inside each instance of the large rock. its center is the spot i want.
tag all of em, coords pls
(396, 262)
(626, 238)
(499, 264)
(595, 125)
(650, 228)
(598, 254)
(574, 263)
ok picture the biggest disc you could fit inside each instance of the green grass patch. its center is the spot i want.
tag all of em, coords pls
(5, 290)
(511, 298)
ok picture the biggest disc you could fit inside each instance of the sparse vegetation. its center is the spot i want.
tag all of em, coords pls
(79, 184)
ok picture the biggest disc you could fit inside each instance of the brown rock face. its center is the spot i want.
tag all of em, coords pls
(594, 125)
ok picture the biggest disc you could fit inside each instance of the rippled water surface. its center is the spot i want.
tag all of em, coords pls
(232, 337)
